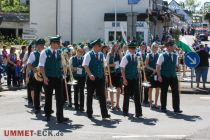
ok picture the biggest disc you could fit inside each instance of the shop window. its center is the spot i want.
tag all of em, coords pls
(119, 36)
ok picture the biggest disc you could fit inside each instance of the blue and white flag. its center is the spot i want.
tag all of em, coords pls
(133, 1)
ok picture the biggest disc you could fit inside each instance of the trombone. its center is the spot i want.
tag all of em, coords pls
(144, 83)
(107, 73)
(72, 81)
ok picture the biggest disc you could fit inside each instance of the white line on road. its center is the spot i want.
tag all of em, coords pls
(151, 136)
(205, 98)
(121, 135)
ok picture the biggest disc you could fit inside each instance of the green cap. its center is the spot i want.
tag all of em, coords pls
(96, 42)
(40, 41)
(55, 38)
(66, 50)
(80, 46)
(132, 44)
(170, 43)
(32, 43)
(66, 43)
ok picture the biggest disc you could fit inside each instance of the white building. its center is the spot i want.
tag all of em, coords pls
(85, 20)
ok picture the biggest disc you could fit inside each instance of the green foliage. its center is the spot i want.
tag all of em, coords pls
(13, 6)
(175, 34)
(8, 41)
(191, 5)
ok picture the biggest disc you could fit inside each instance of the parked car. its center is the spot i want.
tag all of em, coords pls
(203, 36)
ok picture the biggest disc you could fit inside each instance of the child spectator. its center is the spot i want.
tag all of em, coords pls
(18, 72)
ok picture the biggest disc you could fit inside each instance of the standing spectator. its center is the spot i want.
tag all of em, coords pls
(11, 59)
(182, 30)
(1, 70)
(4, 52)
(202, 68)
(18, 72)
(206, 48)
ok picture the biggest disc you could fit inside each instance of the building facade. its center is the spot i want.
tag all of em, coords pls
(85, 20)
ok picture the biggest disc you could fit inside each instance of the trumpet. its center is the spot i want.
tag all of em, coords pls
(145, 83)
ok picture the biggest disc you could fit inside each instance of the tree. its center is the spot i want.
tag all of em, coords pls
(191, 5)
(13, 6)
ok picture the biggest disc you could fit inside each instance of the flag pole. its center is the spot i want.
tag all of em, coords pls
(115, 20)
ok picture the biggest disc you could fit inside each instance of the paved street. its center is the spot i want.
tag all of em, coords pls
(194, 123)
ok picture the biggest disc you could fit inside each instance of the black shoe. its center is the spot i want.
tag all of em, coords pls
(52, 111)
(37, 111)
(146, 102)
(48, 119)
(70, 105)
(106, 116)
(178, 111)
(139, 115)
(82, 109)
(76, 108)
(63, 120)
(89, 116)
(125, 114)
(164, 110)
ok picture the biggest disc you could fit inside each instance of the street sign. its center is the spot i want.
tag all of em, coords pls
(29, 37)
(29, 31)
(192, 59)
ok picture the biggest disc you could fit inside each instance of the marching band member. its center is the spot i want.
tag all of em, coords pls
(113, 59)
(94, 67)
(51, 68)
(166, 70)
(30, 93)
(79, 75)
(32, 64)
(142, 54)
(130, 76)
(150, 62)
(66, 54)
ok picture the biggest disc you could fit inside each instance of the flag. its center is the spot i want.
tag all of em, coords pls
(185, 45)
(133, 1)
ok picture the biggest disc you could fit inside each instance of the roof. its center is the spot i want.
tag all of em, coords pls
(15, 17)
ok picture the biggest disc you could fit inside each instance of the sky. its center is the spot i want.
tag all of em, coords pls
(202, 1)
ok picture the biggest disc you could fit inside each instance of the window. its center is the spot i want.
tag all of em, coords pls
(140, 36)
(119, 36)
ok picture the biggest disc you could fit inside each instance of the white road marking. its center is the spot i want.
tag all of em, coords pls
(151, 136)
(205, 98)
(121, 135)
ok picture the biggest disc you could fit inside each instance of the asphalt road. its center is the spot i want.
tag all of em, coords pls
(194, 123)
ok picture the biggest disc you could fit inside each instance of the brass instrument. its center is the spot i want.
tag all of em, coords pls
(145, 83)
(38, 75)
(72, 81)
(110, 87)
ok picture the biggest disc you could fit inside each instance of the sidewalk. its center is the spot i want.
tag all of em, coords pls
(185, 85)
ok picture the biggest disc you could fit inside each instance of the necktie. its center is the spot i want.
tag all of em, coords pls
(53, 54)
(96, 56)
(132, 58)
(170, 59)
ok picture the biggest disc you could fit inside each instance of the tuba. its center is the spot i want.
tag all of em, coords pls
(38, 75)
